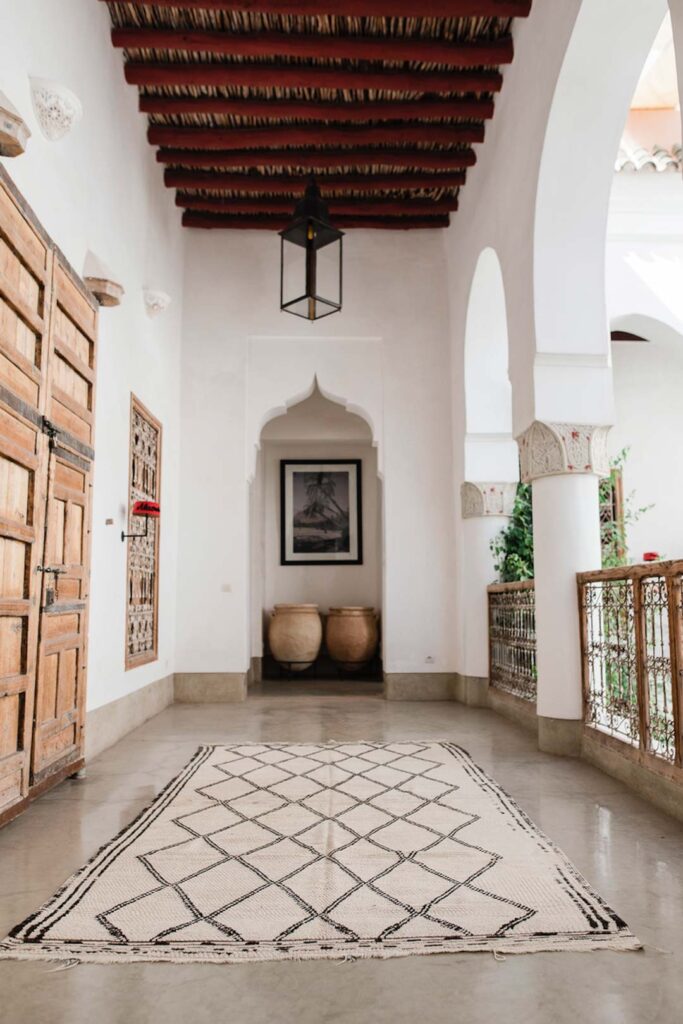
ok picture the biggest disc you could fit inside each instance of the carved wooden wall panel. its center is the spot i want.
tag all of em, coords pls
(142, 620)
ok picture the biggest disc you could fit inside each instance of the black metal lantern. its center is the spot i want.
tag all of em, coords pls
(311, 260)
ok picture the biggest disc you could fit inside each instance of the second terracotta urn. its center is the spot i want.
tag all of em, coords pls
(352, 635)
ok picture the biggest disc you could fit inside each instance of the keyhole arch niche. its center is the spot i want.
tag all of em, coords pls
(314, 423)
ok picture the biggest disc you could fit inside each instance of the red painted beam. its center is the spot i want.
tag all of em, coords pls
(305, 76)
(312, 135)
(338, 207)
(478, 108)
(469, 54)
(357, 8)
(434, 159)
(294, 186)
(196, 219)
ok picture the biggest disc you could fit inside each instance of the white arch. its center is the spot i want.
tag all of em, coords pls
(490, 451)
(488, 399)
(650, 328)
(347, 371)
(603, 61)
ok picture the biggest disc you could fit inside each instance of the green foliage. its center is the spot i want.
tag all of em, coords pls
(513, 548)
(613, 532)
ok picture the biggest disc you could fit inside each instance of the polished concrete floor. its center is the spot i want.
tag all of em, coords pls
(632, 854)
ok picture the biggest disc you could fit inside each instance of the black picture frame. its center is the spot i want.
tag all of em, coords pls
(288, 541)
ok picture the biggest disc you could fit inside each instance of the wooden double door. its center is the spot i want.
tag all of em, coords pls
(48, 323)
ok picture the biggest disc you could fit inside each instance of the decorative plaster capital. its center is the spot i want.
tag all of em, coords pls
(487, 499)
(155, 301)
(56, 107)
(101, 281)
(553, 449)
(14, 132)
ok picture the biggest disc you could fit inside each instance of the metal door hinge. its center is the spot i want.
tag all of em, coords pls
(48, 427)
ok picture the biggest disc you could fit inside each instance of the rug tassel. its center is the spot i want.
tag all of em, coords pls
(498, 956)
(346, 960)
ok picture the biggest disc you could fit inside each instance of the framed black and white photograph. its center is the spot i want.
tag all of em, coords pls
(321, 520)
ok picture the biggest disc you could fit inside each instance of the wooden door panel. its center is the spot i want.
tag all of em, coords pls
(72, 369)
(26, 263)
(63, 625)
(60, 709)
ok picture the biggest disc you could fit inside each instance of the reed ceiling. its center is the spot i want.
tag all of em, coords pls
(381, 100)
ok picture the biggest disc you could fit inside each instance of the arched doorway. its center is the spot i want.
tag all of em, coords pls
(319, 429)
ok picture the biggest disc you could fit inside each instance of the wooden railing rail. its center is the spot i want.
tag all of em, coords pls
(632, 657)
(512, 638)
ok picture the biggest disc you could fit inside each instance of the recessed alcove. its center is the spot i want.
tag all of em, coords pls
(321, 429)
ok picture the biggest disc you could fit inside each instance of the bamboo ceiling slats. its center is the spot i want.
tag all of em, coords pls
(381, 99)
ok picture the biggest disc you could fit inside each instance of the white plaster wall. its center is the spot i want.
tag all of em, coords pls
(647, 384)
(387, 356)
(100, 189)
(644, 296)
(325, 585)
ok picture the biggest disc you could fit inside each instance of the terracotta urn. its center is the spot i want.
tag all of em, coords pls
(352, 635)
(295, 634)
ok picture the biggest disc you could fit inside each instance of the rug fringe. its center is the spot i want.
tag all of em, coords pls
(500, 948)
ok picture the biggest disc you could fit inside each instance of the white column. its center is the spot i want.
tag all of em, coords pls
(566, 541)
(486, 509)
(563, 462)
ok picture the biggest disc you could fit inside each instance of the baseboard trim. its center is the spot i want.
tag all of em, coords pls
(560, 736)
(109, 723)
(418, 686)
(210, 687)
(664, 793)
(521, 712)
(470, 690)
(255, 672)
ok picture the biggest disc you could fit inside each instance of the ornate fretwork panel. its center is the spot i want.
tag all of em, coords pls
(512, 638)
(143, 551)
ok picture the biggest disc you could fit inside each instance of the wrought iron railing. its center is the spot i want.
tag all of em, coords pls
(632, 653)
(512, 638)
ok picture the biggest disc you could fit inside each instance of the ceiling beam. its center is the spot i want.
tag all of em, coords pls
(357, 8)
(294, 186)
(477, 108)
(312, 135)
(197, 219)
(467, 54)
(434, 159)
(338, 207)
(304, 76)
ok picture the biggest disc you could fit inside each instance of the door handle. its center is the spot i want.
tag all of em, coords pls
(50, 593)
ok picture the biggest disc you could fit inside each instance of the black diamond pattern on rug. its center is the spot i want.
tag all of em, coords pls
(279, 850)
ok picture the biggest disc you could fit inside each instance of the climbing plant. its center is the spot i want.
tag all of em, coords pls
(513, 548)
(616, 515)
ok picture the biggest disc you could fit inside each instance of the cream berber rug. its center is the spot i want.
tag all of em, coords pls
(275, 851)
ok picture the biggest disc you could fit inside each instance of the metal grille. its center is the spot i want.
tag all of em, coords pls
(512, 638)
(610, 658)
(657, 667)
(631, 635)
(143, 550)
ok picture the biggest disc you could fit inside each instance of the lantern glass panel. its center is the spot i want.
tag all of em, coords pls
(311, 269)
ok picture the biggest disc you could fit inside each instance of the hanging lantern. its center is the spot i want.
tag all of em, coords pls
(311, 260)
